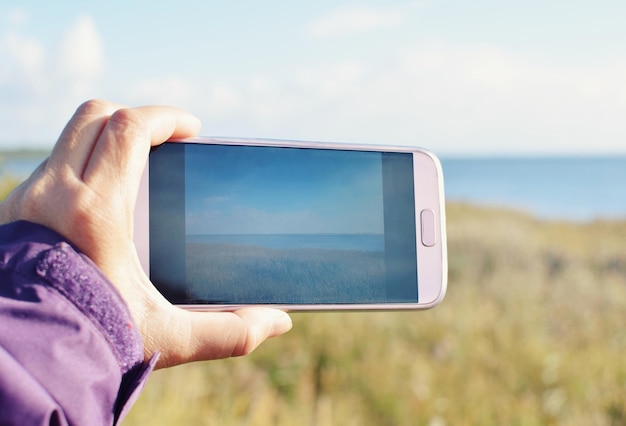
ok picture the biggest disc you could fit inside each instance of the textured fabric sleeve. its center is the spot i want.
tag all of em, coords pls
(69, 350)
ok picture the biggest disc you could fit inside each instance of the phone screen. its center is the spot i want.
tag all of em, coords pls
(236, 224)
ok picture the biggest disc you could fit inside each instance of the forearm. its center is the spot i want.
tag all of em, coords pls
(68, 345)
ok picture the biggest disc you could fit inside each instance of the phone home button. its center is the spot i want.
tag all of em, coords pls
(427, 219)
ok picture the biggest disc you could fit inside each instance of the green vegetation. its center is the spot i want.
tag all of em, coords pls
(6, 186)
(26, 157)
(532, 332)
(23, 153)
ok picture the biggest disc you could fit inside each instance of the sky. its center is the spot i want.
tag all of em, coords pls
(457, 77)
(259, 190)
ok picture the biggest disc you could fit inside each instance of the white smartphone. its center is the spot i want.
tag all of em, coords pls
(223, 223)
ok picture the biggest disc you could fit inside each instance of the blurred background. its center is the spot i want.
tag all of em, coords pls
(525, 103)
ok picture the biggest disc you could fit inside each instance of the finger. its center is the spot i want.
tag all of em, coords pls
(79, 136)
(121, 151)
(216, 335)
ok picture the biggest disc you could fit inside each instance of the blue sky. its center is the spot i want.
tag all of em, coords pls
(457, 77)
(252, 190)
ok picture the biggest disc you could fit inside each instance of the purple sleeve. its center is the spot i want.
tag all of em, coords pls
(70, 353)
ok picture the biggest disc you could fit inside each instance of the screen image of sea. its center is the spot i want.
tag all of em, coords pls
(284, 225)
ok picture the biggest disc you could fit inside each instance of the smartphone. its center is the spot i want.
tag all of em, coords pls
(223, 223)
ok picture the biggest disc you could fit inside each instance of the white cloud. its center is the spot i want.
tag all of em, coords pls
(167, 90)
(354, 19)
(223, 99)
(18, 16)
(25, 55)
(250, 220)
(266, 104)
(332, 80)
(450, 98)
(81, 55)
(216, 199)
(499, 100)
(41, 83)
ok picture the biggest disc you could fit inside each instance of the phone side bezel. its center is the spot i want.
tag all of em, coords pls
(429, 194)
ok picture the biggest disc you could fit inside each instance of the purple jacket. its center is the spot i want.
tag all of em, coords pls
(70, 353)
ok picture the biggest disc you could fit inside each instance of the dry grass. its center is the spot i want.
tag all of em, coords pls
(533, 331)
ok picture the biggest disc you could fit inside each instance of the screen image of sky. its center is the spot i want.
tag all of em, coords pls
(259, 190)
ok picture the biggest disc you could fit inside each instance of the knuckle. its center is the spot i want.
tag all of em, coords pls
(244, 343)
(128, 122)
(94, 107)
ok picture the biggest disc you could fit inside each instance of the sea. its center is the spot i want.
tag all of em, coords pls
(360, 242)
(556, 188)
(577, 189)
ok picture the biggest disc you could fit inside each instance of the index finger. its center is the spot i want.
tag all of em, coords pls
(121, 150)
(75, 145)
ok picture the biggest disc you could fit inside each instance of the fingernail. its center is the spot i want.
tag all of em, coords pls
(281, 324)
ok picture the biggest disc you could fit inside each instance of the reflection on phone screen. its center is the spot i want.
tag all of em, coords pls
(273, 225)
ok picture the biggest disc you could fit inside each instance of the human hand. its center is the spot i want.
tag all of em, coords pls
(86, 191)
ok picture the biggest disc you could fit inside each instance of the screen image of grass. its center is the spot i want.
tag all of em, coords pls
(532, 331)
(222, 272)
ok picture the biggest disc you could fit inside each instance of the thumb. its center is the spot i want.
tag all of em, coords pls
(215, 335)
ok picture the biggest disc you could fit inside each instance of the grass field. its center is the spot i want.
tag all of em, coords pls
(302, 275)
(532, 332)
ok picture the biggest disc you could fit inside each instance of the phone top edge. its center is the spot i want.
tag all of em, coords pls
(305, 144)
